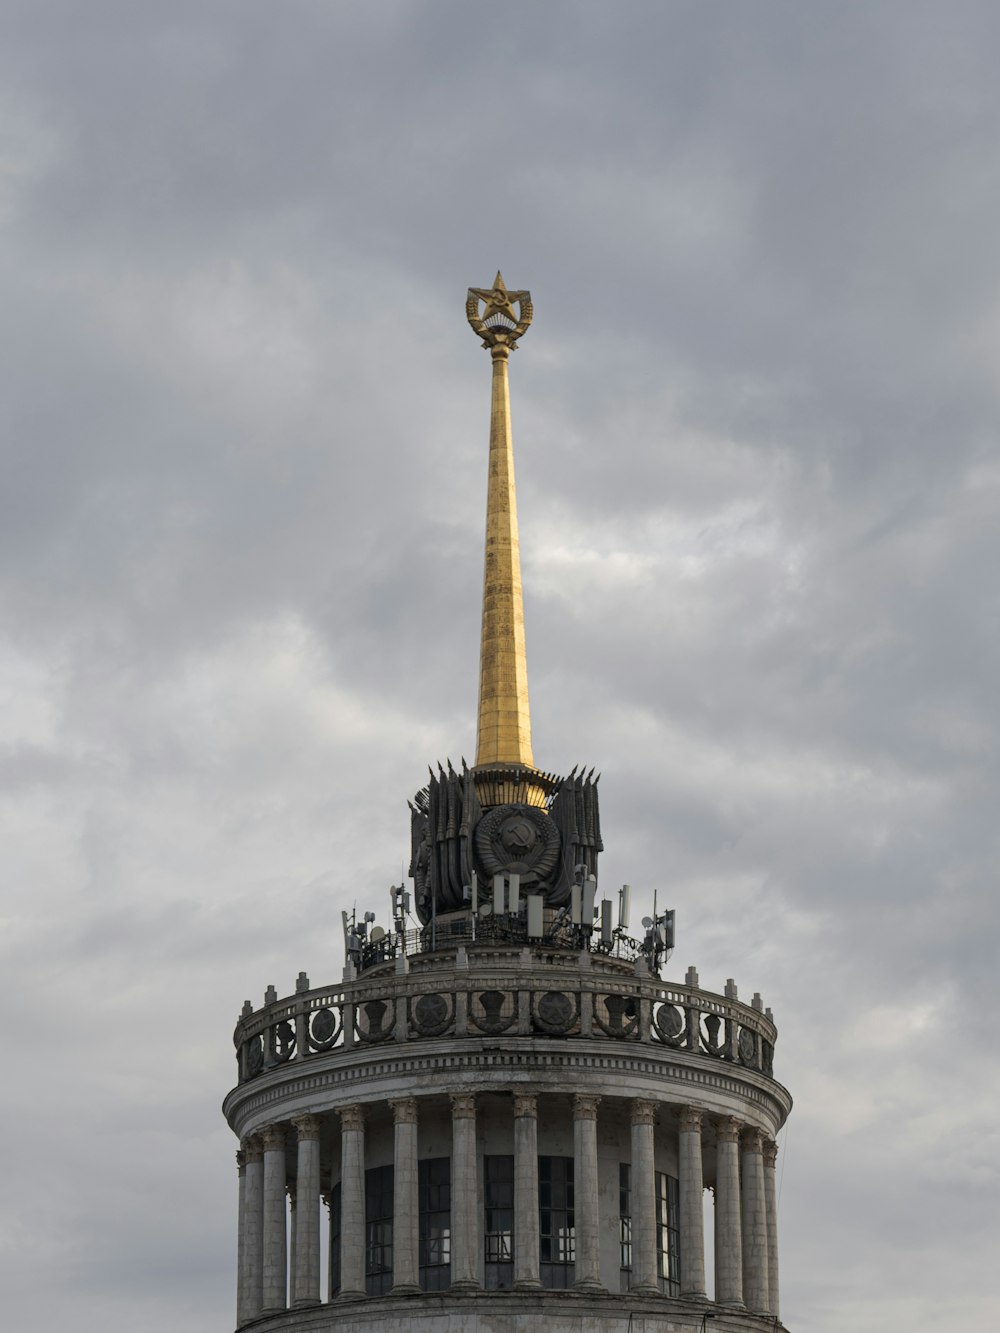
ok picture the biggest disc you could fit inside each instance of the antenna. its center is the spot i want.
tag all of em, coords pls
(624, 906)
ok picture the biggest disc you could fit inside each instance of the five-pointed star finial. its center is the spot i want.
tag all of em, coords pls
(514, 309)
(498, 299)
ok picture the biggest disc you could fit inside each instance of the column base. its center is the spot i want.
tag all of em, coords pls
(733, 1305)
(527, 1284)
(694, 1295)
(352, 1296)
(306, 1302)
(590, 1286)
(405, 1289)
(644, 1289)
(466, 1284)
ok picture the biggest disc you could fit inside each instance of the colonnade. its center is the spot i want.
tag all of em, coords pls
(746, 1250)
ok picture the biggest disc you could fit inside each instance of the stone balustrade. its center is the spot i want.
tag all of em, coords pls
(513, 993)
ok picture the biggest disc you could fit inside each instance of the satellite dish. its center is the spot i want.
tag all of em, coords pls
(647, 921)
(377, 934)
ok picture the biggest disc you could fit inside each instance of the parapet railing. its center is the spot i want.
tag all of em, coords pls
(500, 929)
(406, 1007)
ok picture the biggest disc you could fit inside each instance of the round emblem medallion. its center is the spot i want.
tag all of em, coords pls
(748, 1047)
(520, 839)
(669, 1022)
(430, 1015)
(556, 1012)
(324, 1025)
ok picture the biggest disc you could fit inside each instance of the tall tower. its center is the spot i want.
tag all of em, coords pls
(503, 1117)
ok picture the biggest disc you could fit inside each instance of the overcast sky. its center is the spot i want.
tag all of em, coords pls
(244, 466)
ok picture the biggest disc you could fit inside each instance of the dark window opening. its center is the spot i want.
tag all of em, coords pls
(668, 1234)
(434, 1183)
(625, 1223)
(498, 1187)
(378, 1230)
(556, 1226)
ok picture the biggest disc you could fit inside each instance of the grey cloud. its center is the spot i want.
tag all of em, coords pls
(244, 431)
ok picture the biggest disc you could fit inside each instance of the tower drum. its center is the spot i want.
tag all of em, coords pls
(504, 1118)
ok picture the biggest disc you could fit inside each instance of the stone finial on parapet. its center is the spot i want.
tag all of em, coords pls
(691, 978)
(270, 996)
(731, 991)
(301, 983)
(247, 1009)
(757, 1003)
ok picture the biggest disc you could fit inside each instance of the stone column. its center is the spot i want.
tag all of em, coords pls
(771, 1206)
(306, 1263)
(728, 1233)
(644, 1275)
(352, 1202)
(405, 1198)
(465, 1210)
(526, 1191)
(253, 1230)
(754, 1218)
(588, 1249)
(275, 1221)
(691, 1188)
(241, 1241)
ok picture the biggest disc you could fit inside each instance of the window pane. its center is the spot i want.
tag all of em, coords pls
(434, 1186)
(498, 1231)
(557, 1236)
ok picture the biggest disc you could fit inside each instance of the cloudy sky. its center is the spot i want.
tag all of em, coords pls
(244, 448)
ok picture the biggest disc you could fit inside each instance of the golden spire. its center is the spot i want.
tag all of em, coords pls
(504, 721)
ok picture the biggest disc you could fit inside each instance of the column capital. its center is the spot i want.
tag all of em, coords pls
(585, 1106)
(727, 1130)
(463, 1105)
(770, 1153)
(253, 1149)
(525, 1104)
(404, 1110)
(274, 1138)
(753, 1139)
(689, 1119)
(643, 1111)
(307, 1126)
(351, 1117)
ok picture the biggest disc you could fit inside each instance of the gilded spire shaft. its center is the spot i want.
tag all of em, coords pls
(504, 720)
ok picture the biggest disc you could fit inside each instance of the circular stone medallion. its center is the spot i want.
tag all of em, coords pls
(556, 1011)
(669, 1022)
(747, 1047)
(430, 1015)
(324, 1025)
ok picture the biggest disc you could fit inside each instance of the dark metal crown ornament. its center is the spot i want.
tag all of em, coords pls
(452, 838)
